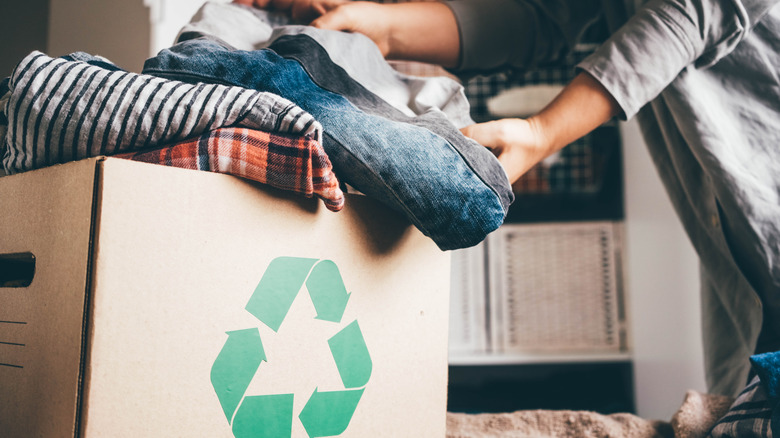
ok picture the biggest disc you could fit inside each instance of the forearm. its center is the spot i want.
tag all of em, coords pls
(521, 143)
(580, 108)
(665, 37)
(423, 31)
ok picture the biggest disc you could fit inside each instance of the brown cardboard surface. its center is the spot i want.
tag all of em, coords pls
(177, 256)
(47, 212)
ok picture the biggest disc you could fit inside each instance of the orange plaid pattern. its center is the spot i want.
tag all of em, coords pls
(294, 163)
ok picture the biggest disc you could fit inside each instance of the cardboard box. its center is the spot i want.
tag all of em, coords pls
(157, 291)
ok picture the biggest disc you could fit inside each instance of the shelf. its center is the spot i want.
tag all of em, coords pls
(536, 358)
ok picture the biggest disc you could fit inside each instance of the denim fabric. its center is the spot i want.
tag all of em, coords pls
(315, 60)
(408, 167)
(248, 28)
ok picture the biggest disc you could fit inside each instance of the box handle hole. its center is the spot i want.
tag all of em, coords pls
(17, 269)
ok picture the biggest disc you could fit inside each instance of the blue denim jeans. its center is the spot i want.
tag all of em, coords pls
(449, 187)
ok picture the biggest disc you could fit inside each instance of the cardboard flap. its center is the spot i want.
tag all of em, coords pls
(46, 213)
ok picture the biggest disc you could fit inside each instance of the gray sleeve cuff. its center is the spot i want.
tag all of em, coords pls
(662, 39)
(641, 59)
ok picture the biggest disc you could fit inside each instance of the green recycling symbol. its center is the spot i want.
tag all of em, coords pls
(326, 413)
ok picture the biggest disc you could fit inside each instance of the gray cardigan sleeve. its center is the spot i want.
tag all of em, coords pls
(663, 38)
(520, 34)
(635, 64)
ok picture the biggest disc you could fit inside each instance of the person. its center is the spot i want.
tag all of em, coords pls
(701, 76)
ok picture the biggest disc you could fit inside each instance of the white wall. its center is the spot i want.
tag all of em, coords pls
(125, 31)
(662, 282)
(168, 17)
(117, 30)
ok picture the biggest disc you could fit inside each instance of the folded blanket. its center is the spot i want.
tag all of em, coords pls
(554, 424)
(699, 413)
(287, 162)
(696, 416)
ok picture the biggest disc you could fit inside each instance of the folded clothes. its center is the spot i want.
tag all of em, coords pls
(450, 187)
(247, 28)
(69, 108)
(286, 162)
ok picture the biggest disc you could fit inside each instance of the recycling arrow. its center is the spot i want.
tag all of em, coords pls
(329, 413)
(326, 413)
(235, 367)
(351, 355)
(264, 416)
(327, 291)
(277, 289)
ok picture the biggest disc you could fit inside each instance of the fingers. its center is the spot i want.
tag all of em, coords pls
(266, 4)
(333, 19)
(467, 131)
(300, 11)
(488, 134)
(324, 6)
(509, 140)
(367, 18)
(320, 9)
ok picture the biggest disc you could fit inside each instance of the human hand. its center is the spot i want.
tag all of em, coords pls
(518, 143)
(369, 18)
(301, 11)
(414, 31)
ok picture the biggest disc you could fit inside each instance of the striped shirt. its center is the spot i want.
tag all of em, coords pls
(58, 110)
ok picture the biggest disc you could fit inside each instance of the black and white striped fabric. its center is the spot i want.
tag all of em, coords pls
(58, 110)
(750, 416)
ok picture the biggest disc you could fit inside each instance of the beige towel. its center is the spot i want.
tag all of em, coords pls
(696, 416)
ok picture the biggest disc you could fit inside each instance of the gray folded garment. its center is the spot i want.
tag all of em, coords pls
(247, 28)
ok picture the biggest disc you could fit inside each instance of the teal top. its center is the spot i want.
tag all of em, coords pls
(701, 76)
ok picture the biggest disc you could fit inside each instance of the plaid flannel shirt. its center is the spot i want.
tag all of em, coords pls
(295, 163)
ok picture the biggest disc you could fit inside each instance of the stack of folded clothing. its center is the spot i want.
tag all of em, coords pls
(79, 106)
(295, 107)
